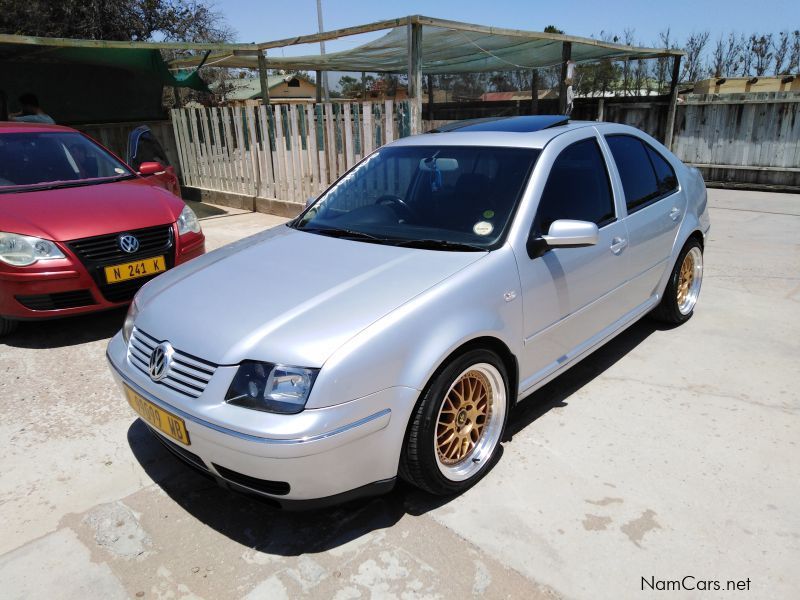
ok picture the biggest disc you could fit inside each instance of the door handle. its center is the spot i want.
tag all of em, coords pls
(675, 213)
(618, 245)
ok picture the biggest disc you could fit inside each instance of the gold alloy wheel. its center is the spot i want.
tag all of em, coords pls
(465, 412)
(690, 278)
(685, 278)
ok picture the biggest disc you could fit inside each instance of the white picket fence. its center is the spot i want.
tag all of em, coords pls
(286, 152)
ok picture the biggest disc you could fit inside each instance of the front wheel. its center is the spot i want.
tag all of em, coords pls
(7, 326)
(455, 431)
(683, 288)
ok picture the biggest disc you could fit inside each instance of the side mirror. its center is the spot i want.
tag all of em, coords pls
(151, 168)
(564, 233)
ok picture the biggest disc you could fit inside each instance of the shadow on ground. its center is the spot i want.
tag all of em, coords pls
(68, 331)
(257, 524)
(203, 210)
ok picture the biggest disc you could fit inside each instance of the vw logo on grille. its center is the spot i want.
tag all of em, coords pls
(128, 243)
(160, 360)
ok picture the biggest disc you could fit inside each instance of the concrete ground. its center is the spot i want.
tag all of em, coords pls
(668, 453)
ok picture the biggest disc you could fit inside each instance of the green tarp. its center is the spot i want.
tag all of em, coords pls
(91, 85)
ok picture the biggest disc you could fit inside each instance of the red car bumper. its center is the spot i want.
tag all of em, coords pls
(74, 285)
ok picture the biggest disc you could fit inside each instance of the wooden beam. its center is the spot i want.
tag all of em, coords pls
(336, 33)
(30, 40)
(673, 102)
(566, 55)
(415, 76)
(535, 91)
(430, 97)
(318, 79)
(363, 85)
(262, 76)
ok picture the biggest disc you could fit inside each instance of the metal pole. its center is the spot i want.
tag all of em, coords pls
(363, 85)
(319, 86)
(430, 97)
(325, 90)
(566, 55)
(534, 91)
(415, 76)
(673, 101)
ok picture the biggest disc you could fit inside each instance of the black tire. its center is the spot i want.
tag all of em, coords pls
(7, 326)
(668, 310)
(418, 459)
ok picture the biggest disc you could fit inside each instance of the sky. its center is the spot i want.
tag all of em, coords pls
(263, 20)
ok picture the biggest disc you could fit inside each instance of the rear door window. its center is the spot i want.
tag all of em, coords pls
(577, 188)
(646, 175)
(665, 174)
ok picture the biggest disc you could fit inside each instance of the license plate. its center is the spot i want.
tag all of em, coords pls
(137, 268)
(162, 420)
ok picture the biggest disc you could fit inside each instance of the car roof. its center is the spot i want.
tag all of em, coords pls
(504, 131)
(23, 127)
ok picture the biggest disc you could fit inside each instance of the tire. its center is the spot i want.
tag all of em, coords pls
(7, 326)
(683, 288)
(453, 403)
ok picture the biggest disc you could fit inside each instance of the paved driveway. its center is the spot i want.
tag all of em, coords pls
(665, 454)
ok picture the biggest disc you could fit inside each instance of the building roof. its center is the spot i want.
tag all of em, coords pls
(247, 88)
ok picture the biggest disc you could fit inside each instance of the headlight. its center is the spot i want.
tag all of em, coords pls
(127, 327)
(271, 388)
(23, 250)
(188, 221)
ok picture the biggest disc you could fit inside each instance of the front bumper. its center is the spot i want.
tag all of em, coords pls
(323, 453)
(41, 290)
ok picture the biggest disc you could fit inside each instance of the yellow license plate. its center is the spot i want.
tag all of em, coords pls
(165, 422)
(137, 268)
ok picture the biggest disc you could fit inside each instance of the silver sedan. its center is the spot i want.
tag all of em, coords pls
(389, 329)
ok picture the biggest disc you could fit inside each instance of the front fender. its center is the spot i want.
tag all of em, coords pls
(407, 346)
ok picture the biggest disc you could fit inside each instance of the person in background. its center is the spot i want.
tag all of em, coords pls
(31, 111)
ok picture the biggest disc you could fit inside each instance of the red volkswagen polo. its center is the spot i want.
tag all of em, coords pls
(80, 231)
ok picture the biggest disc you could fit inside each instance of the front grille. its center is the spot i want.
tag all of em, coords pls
(103, 250)
(278, 488)
(187, 374)
(124, 291)
(57, 301)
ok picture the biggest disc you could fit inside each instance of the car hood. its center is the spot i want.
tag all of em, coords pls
(286, 296)
(71, 213)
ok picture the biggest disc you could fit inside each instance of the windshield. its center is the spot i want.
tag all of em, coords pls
(30, 160)
(447, 197)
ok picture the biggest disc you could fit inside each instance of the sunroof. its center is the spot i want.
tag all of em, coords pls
(523, 124)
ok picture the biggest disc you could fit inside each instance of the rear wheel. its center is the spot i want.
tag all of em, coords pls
(7, 326)
(683, 288)
(456, 428)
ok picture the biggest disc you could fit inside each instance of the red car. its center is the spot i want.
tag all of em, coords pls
(80, 231)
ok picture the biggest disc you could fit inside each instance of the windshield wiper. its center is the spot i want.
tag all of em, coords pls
(62, 184)
(440, 245)
(339, 232)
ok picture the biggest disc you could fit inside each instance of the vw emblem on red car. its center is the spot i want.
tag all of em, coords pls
(159, 361)
(128, 243)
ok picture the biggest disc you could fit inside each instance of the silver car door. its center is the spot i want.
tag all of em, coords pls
(572, 295)
(655, 205)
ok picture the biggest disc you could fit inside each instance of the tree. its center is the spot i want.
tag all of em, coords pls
(693, 61)
(760, 47)
(780, 48)
(794, 53)
(663, 64)
(726, 57)
(135, 20)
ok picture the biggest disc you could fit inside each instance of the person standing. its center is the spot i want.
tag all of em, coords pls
(31, 111)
